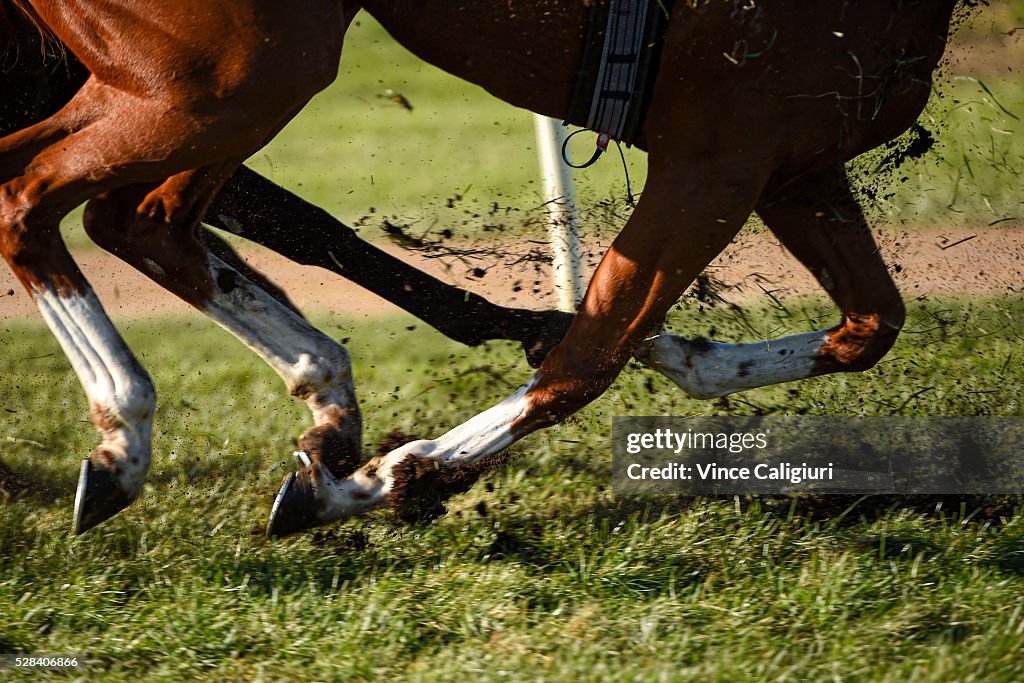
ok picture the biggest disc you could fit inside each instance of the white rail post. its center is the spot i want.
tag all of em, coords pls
(563, 229)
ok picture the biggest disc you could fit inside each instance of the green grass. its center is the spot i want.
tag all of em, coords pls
(538, 573)
(973, 175)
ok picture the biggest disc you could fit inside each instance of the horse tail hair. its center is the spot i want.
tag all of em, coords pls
(13, 15)
(28, 11)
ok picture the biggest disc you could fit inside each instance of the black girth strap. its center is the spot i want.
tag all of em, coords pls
(620, 63)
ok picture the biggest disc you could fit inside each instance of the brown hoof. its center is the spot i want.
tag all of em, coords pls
(295, 507)
(99, 497)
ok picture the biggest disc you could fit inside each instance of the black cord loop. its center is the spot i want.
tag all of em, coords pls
(602, 145)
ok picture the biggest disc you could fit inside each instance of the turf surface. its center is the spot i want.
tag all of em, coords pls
(538, 573)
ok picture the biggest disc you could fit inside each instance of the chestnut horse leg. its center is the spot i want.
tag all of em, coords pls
(642, 275)
(90, 147)
(183, 99)
(139, 226)
(821, 223)
(120, 392)
(265, 213)
(818, 219)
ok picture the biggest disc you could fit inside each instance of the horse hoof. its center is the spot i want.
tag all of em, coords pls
(295, 508)
(99, 497)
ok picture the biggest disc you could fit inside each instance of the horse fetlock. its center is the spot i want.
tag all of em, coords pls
(124, 419)
(325, 371)
(126, 449)
(123, 414)
(329, 401)
(336, 446)
(128, 465)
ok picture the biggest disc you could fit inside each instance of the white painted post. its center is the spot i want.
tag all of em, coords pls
(563, 230)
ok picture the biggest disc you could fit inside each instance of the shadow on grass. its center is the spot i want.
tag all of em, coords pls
(843, 510)
(32, 483)
(200, 474)
(1009, 556)
(8, 646)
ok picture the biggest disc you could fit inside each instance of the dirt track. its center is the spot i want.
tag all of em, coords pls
(990, 262)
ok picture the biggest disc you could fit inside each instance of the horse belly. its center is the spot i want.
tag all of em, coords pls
(526, 52)
(811, 83)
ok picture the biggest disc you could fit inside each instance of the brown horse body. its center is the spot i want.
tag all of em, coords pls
(37, 79)
(756, 107)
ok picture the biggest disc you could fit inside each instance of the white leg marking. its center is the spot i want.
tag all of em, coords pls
(120, 391)
(315, 368)
(482, 435)
(706, 369)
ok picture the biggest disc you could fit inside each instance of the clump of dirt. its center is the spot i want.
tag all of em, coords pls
(396, 438)
(913, 145)
(422, 486)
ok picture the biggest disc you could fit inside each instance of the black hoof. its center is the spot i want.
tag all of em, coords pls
(295, 506)
(99, 497)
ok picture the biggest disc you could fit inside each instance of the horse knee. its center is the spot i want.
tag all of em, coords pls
(27, 231)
